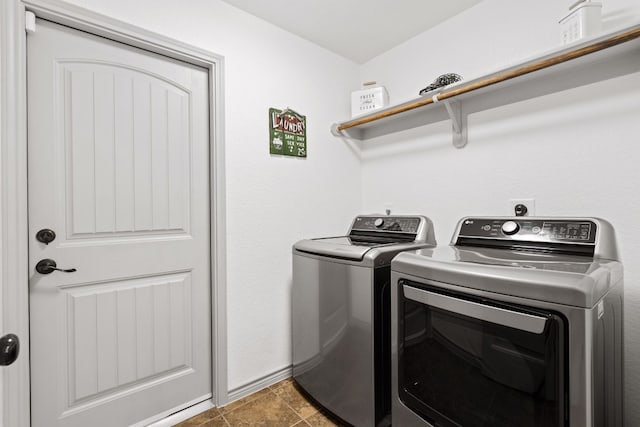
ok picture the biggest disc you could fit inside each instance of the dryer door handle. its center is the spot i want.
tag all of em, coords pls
(501, 316)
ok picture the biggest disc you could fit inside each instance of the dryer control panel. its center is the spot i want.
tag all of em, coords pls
(535, 230)
(573, 235)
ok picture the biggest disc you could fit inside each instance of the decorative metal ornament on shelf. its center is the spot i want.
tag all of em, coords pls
(441, 81)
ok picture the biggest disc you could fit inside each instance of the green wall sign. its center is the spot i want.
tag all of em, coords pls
(287, 133)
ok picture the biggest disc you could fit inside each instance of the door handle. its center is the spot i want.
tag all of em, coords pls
(9, 349)
(500, 316)
(47, 266)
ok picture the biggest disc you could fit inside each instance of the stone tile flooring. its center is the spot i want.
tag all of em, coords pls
(279, 405)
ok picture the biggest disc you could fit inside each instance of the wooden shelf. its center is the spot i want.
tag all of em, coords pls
(600, 58)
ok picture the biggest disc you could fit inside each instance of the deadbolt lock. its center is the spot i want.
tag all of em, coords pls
(46, 236)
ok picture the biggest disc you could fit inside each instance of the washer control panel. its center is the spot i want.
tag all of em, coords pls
(387, 223)
(532, 230)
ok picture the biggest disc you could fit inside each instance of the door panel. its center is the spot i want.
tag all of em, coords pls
(118, 168)
(134, 177)
(126, 332)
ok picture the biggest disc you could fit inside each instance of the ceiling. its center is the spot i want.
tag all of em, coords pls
(356, 29)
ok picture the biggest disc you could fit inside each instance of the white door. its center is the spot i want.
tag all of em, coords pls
(119, 170)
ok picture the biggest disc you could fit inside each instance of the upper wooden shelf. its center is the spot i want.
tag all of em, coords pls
(610, 55)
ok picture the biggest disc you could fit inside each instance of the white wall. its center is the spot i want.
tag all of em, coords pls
(271, 201)
(575, 152)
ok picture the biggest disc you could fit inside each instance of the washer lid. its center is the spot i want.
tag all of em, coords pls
(339, 247)
(563, 279)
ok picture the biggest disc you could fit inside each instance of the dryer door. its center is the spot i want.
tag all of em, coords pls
(469, 362)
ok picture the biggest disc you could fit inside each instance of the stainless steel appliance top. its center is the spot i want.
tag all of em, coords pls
(571, 261)
(372, 235)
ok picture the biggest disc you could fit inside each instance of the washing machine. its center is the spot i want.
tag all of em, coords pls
(519, 322)
(341, 314)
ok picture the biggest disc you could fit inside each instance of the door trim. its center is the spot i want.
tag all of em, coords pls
(14, 405)
(13, 180)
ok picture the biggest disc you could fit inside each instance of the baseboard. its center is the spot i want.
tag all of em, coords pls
(174, 416)
(259, 384)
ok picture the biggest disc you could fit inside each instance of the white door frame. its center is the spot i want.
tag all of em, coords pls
(14, 274)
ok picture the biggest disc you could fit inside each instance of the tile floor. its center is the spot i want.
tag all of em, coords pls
(279, 405)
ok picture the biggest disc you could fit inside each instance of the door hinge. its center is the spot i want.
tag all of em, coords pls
(30, 22)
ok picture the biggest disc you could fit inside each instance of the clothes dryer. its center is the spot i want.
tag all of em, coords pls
(517, 323)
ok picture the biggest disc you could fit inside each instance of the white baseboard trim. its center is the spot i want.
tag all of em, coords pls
(259, 384)
(172, 417)
(177, 417)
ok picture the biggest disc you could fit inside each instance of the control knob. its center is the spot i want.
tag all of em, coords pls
(510, 227)
(379, 222)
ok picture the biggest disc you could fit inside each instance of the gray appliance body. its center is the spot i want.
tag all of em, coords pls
(341, 315)
(468, 311)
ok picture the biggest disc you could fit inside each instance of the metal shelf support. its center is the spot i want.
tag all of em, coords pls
(458, 122)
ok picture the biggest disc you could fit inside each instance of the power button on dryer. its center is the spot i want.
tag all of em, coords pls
(510, 227)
